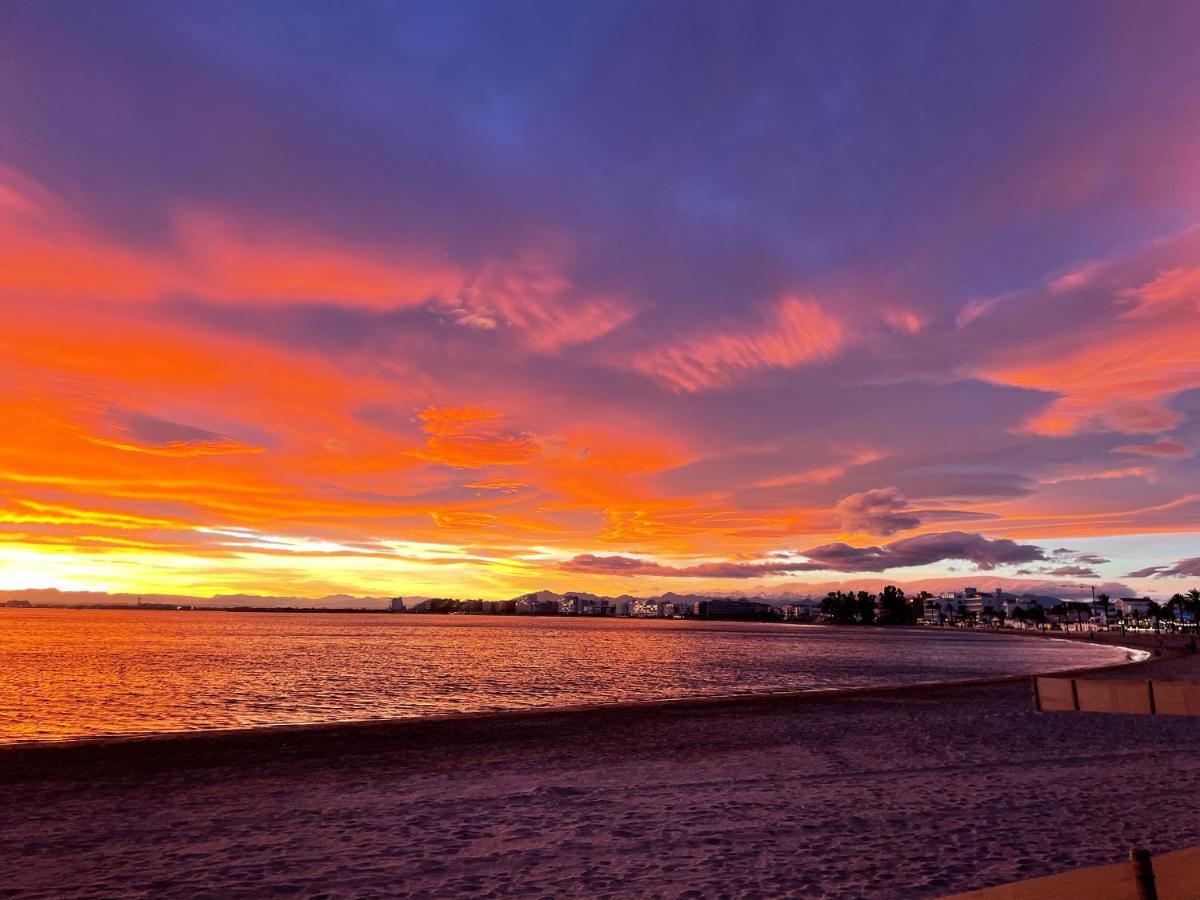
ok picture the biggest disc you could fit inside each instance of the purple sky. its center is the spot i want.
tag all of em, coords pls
(479, 298)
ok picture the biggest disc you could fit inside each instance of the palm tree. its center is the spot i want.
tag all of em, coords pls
(1193, 602)
(865, 607)
(1175, 604)
(894, 608)
(1105, 603)
(1155, 611)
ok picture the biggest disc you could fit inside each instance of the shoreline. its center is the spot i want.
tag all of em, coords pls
(21, 761)
(743, 796)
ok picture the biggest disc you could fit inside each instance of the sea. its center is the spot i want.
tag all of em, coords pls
(72, 673)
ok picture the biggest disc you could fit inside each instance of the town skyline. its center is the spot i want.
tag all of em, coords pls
(783, 593)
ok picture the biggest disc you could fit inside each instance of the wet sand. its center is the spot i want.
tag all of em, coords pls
(912, 793)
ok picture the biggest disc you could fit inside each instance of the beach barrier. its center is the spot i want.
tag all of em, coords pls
(1169, 876)
(1144, 698)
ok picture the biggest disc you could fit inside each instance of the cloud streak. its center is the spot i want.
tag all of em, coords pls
(796, 332)
(922, 550)
(1182, 568)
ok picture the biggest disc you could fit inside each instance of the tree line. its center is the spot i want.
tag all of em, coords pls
(889, 607)
(892, 607)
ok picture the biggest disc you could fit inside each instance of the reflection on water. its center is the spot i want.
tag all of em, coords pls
(68, 673)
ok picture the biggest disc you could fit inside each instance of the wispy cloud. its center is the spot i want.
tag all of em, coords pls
(1182, 568)
(796, 332)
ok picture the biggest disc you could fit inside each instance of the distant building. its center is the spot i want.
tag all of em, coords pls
(434, 605)
(577, 605)
(598, 606)
(19, 604)
(1134, 607)
(396, 605)
(533, 605)
(570, 605)
(800, 612)
(1012, 604)
(937, 610)
(979, 605)
(646, 609)
(731, 609)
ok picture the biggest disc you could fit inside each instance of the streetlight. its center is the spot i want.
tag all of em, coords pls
(1093, 609)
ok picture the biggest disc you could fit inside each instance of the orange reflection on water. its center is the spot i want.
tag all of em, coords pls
(72, 673)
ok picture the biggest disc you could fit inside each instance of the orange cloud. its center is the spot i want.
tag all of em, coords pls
(215, 261)
(1162, 449)
(1117, 373)
(458, 520)
(532, 295)
(48, 252)
(1174, 287)
(503, 485)
(824, 474)
(26, 512)
(470, 438)
(797, 332)
(904, 320)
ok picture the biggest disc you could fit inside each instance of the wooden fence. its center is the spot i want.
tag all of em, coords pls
(1172, 876)
(1147, 698)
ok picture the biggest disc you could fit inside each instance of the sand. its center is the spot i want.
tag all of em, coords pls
(915, 793)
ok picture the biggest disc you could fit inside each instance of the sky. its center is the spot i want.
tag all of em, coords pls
(480, 298)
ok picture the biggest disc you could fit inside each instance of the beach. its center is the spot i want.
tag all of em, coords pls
(917, 792)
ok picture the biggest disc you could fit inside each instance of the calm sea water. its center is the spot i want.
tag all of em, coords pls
(74, 673)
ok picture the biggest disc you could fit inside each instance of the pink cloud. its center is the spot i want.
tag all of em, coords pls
(796, 332)
(1116, 360)
(533, 295)
(1174, 287)
(1074, 279)
(1165, 449)
(903, 320)
(47, 251)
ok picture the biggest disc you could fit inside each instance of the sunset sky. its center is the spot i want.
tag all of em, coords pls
(476, 299)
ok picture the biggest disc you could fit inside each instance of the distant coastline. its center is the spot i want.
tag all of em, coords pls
(968, 607)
